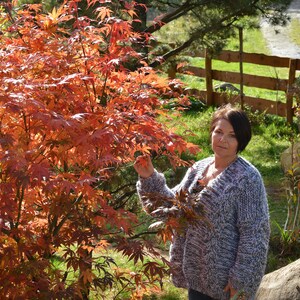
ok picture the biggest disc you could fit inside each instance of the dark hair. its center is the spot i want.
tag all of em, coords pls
(238, 120)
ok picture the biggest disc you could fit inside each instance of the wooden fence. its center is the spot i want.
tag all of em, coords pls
(212, 97)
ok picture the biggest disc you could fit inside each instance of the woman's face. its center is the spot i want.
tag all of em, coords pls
(223, 140)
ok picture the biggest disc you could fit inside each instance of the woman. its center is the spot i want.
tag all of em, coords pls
(226, 258)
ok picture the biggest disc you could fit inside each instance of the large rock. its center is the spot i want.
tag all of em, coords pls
(282, 284)
(290, 159)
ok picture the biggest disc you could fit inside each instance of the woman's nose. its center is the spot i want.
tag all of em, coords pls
(223, 138)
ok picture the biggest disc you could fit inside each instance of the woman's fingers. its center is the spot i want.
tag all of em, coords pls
(143, 166)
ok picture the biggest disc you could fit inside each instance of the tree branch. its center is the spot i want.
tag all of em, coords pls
(175, 14)
(141, 234)
(199, 34)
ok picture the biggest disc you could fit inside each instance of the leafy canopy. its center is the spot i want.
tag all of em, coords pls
(181, 25)
(70, 114)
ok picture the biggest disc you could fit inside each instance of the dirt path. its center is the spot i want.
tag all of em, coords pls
(280, 43)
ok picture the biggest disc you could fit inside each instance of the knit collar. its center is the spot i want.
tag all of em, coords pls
(227, 176)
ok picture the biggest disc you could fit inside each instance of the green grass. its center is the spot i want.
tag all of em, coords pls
(253, 42)
(168, 292)
(294, 31)
(252, 69)
(270, 137)
(199, 83)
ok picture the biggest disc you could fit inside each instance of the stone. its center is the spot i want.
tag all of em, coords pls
(226, 87)
(282, 284)
(290, 158)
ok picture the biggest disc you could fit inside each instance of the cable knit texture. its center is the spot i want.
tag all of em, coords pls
(233, 247)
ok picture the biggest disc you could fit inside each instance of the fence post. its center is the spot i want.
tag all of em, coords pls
(289, 95)
(208, 77)
(241, 67)
(172, 71)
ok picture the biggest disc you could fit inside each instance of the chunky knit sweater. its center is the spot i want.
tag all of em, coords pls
(233, 247)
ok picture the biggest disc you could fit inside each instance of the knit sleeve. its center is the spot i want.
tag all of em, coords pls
(254, 230)
(154, 191)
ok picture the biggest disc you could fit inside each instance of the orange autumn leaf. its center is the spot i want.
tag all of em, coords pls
(73, 116)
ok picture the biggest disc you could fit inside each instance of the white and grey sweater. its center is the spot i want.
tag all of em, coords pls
(234, 247)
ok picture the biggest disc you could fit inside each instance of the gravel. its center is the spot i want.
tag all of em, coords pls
(278, 39)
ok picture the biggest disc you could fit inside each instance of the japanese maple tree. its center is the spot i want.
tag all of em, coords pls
(70, 114)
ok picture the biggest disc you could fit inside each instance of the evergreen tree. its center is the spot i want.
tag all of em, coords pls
(207, 24)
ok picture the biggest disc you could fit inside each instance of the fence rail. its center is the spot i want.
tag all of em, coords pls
(212, 97)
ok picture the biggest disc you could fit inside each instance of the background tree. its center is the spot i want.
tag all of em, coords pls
(209, 24)
(71, 115)
(205, 23)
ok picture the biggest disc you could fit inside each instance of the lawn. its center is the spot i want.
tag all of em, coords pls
(271, 136)
(253, 42)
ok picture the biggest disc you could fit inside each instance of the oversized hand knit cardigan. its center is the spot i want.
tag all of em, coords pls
(233, 248)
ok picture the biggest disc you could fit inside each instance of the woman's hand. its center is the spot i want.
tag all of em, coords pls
(143, 166)
(229, 288)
